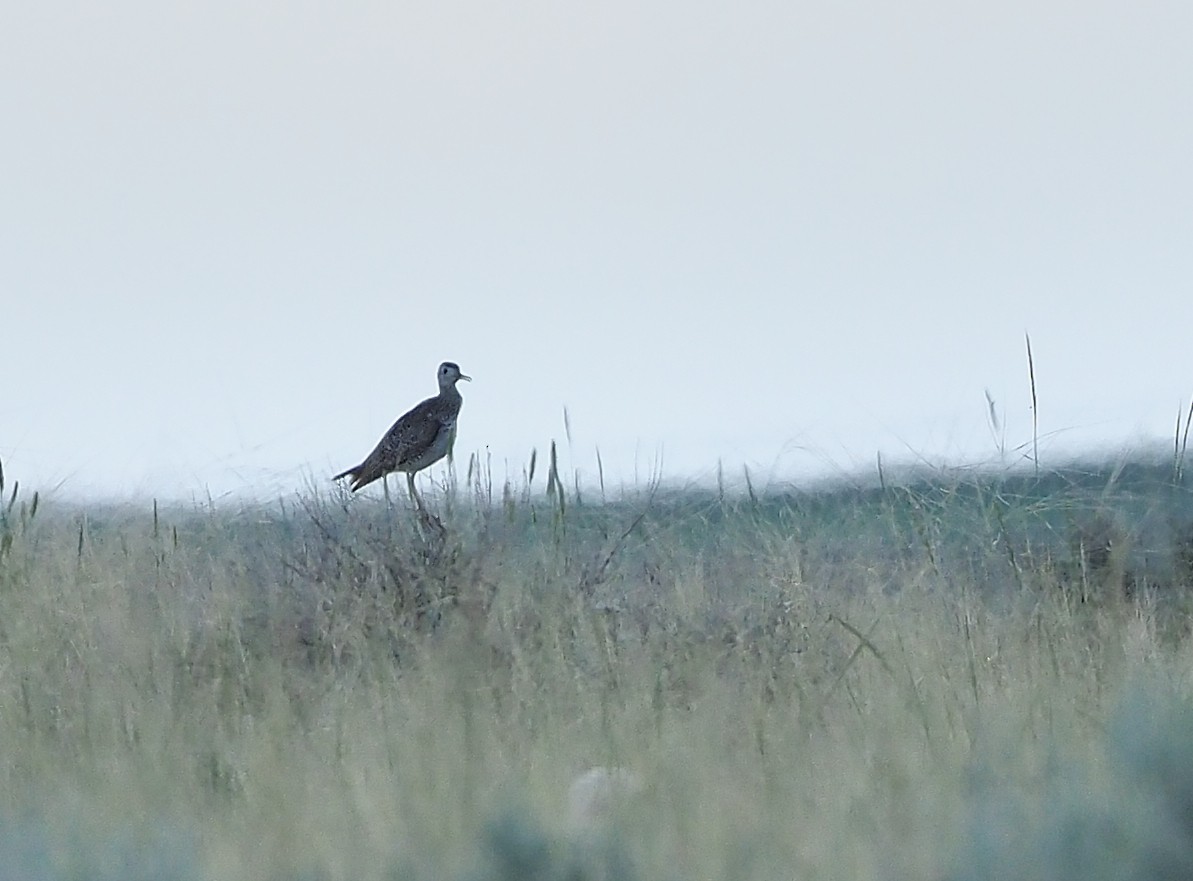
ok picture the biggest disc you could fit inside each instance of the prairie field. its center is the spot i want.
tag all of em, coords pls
(943, 674)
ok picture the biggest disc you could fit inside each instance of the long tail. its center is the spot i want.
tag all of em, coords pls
(362, 475)
(354, 473)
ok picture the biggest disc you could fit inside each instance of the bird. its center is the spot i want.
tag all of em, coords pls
(418, 439)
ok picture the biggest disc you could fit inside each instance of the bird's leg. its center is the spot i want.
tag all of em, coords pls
(429, 520)
(389, 507)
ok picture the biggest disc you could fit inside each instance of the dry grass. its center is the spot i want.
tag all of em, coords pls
(952, 676)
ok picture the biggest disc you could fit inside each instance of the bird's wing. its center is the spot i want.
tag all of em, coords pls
(412, 433)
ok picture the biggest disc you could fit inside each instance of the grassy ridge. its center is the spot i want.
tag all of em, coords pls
(886, 681)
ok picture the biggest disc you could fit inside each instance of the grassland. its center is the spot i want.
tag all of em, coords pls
(950, 675)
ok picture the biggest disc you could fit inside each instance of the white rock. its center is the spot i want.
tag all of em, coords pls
(595, 794)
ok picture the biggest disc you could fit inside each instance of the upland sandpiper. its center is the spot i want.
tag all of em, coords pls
(418, 439)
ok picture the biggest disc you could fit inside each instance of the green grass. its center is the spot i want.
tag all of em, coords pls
(953, 675)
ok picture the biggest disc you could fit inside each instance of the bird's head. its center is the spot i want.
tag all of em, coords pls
(449, 374)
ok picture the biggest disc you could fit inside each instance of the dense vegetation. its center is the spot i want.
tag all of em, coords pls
(954, 675)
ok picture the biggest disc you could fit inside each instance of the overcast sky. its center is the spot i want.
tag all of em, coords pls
(236, 238)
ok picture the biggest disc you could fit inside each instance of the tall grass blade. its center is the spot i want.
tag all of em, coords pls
(554, 483)
(992, 414)
(996, 428)
(1181, 445)
(1035, 409)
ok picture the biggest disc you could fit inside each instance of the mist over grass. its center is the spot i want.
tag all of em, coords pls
(953, 674)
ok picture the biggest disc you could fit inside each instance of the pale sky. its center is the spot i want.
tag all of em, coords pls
(236, 238)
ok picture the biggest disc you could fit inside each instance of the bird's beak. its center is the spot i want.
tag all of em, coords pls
(468, 378)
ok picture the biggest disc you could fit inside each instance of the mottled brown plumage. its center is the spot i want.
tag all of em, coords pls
(418, 439)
